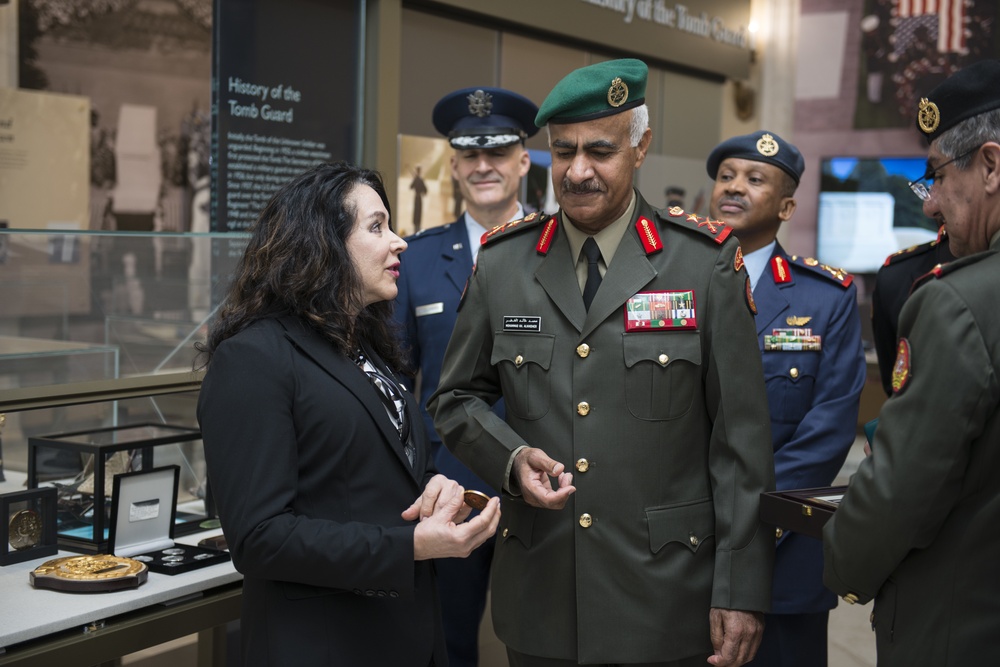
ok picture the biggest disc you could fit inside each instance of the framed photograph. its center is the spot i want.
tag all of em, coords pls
(27, 525)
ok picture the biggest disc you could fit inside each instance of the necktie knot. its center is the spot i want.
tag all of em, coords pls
(591, 251)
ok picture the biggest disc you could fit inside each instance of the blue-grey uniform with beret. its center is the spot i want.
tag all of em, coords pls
(917, 528)
(761, 146)
(809, 336)
(652, 397)
(433, 274)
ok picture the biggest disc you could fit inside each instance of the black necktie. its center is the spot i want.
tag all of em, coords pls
(593, 255)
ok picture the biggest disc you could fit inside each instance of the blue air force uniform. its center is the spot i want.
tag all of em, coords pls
(809, 333)
(813, 397)
(433, 273)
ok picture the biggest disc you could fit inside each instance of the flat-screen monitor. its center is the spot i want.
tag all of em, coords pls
(867, 210)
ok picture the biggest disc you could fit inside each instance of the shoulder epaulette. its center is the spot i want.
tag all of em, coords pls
(717, 230)
(945, 268)
(839, 276)
(513, 227)
(912, 251)
(936, 272)
(428, 232)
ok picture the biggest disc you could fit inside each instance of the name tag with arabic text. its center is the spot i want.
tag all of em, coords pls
(522, 323)
(652, 311)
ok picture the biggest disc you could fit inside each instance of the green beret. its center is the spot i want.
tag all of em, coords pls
(595, 91)
(966, 93)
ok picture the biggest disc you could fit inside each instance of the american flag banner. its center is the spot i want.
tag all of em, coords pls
(952, 19)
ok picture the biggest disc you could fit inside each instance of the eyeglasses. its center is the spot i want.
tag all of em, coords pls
(922, 190)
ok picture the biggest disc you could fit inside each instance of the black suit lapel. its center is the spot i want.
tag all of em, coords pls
(347, 373)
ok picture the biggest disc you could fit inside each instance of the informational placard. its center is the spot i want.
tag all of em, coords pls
(285, 86)
(44, 148)
(44, 185)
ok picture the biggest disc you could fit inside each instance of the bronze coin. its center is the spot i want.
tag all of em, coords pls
(25, 529)
(477, 500)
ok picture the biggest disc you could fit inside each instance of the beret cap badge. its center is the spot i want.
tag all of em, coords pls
(759, 146)
(617, 93)
(480, 104)
(928, 116)
(767, 146)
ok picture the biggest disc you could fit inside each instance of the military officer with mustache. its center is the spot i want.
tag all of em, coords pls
(622, 340)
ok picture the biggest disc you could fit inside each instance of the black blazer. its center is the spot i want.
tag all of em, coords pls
(310, 479)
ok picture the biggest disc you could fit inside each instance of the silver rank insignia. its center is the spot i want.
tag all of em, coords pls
(480, 103)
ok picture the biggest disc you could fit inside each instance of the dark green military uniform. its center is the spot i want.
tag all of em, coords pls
(666, 431)
(917, 527)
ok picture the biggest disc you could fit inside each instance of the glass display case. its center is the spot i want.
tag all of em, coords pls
(82, 466)
(123, 305)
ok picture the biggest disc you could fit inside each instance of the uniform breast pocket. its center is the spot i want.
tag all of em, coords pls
(790, 378)
(687, 525)
(662, 373)
(523, 361)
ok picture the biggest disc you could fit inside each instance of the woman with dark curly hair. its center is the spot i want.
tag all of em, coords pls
(315, 451)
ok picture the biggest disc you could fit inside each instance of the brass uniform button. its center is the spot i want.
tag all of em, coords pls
(582, 465)
(663, 359)
(518, 360)
(504, 533)
(851, 598)
(586, 520)
(583, 408)
(778, 533)
(694, 540)
(794, 373)
(583, 350)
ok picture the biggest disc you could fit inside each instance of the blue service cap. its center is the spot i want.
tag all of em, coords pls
(761, 146)
(484, 118)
